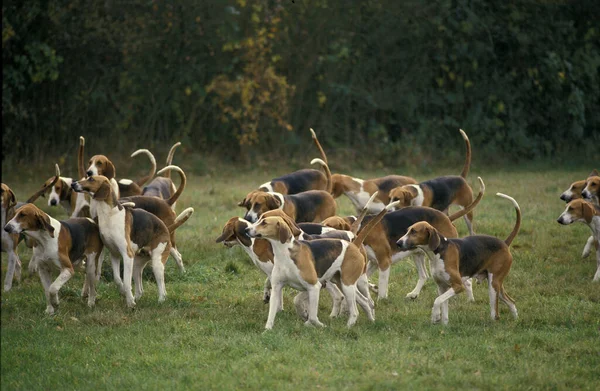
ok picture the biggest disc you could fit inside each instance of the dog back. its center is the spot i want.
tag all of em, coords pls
(474, 251)
(443, 190)
(324, 253)
(300, 181)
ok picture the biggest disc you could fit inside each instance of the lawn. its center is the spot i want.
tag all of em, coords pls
(209, 333)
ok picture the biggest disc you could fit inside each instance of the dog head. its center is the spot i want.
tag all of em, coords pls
(98, 186)
(274, 228)
(404, 195)
(420, 234)
(294, 228)
(29, 218)
(9, 200)
(61, 191)
(573, 192)
(592, 188)
(234, 230)
(339, 223)
(258, 202)
(101, 165)
(577, 210)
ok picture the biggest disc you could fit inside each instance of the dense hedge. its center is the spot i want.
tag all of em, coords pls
(522, 77)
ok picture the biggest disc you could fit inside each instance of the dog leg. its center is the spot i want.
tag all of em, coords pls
(468, 283)
(506, 299)
(588, 247)
(384, 277)
(99, 266)
(159, 274)
(469, 223)
(336, 297)
(45, 279)
(313, 305)
(436, 312)
(363, 287)
(64, 276)
(178, 259)
(419, 259)
(267, 290)
(33, 264)
(139, 262)
(301, 304)
(350, 295)
(274, 303)
(365, 305)
(116, 266)
(597, 275)
(127, 276)
(90, 278)
(13, 263)
(493, 297)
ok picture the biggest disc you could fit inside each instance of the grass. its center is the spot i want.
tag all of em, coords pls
(209, 332)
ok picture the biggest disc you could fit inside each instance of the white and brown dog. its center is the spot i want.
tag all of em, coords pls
(359, 191)
(439, 193)
(580, 210)
(10, 241)
(59, 245)
(135, 235)
(381, 242)
(310, 206)
(455, 260)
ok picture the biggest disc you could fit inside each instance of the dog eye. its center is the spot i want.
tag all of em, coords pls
(99, 163)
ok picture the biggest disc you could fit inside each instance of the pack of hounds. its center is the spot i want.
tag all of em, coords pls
(290, 231)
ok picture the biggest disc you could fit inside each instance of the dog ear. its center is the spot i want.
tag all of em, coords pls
(292, 225)
(109, 170)
(284, 234)
(12, 199)
(103, 192)
(273, 202)
(227, 232)
(594, 173)
(587, 211)
(434, 238)
(44, 222)
(243, 203)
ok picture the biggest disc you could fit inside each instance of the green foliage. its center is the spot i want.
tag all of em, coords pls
(379, 76)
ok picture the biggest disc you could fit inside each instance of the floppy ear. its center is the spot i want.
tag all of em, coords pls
(594, 173)
(227, 232)
(284, 234)
(242, 203)
(587, 211)
(292, 225)
(273, 202)
(44, 223)
(103, 192)
(434, 239)
(109, 171)
(12, 199)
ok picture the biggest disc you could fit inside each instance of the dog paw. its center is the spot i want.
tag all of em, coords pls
(412, 295)
(374, 288)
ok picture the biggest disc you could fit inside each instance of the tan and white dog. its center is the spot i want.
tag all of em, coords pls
(439, 193)
(59, 245)
(359, 191)
(455, 260)
(135, 235)
(307, 265)
(381, 242)
(585, 212)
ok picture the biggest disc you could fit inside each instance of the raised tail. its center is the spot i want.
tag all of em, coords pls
(140, 182)
(80, 162)
(43, 189)
(467, 166)
(182, 218)
(170, 158)
(515, 230)
(362, 234)
(472, 205)
(356, 225)
(316, 141)
(176, 195)
(329, 186)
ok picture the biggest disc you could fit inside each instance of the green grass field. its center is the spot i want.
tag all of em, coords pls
(209, 332)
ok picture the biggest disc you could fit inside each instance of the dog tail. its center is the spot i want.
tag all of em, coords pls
(316, 141)
(465, 170)
(80, 162)
(356, 224)
(170, 158)
(329, 186)
(362, 234)
(140, 182)
(44, 187)
(182, 218)
(472, 205)
(176, 195)
(515, 230)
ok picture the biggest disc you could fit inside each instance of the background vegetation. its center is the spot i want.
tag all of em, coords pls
(248, 76)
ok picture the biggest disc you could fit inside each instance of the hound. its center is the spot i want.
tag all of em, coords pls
(591, 192)
(359, 191)
(306, 265)
(381, 248)
(574, 192)
(10, 241)
(441, 192)
(59, 244)
(580, 210)
(455, 260)
(135, 235)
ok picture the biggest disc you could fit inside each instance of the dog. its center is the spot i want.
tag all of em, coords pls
(441, 192)
(455, 260)
(309, 206)
(306, 265)
(358, 190)
(59, 244)
(10, 241)
(583, 211)
(591, 192)
(381, 247)
(135, 235)
(161, 187)
(575, 192)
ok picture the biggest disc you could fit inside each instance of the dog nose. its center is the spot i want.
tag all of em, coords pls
(563, 197)
(8, 228)
(52, 202)
(89, 172)
(559, 220)
(73, 185)
(586, 194)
